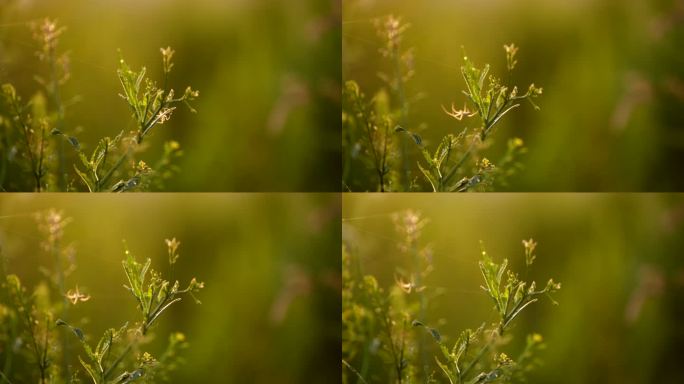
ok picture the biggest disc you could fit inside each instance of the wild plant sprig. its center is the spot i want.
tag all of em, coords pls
(373, 320)
(412, 279)
(391, 30)
(52, 224)
(394, 339)
(512, 296)
(510, 299)
(27, 322)
(25, 307)
(111, 164)
(376, 133)
(28, 315)
(488, 100)
(153, 296)
(47, 34)
(379, 322)
(150, 106)
(156, 295)
(456, 165)
(494, 101)
(372, 323)
(22, 121)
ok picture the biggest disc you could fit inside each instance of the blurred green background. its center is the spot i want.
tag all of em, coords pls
(270, 309)
(619, 258)
(612, 73)
(267, 71)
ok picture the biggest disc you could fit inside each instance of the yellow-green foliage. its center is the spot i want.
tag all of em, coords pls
(36, 347)
(34, 133)
(377, 131)
(386, 332)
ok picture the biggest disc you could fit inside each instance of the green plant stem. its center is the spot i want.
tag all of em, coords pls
(144, 128)
(34, 343)
(369, 134)
(401, 354)
(113, 169)
(104, 157)
(384, 158)
(12, 332)
(118, 360)
(7, 366)
(5, 378)
(398, 364)
(476, 359)
(404, 116)
(365, 363)
(357, 373)
(129, 347)
(500, 331)
(41, 356)
(40, 159)
(3, 166)
(488, 125)
(44, 359)
(423, 307)
(65, 306)
(143, 331)
(25, 129)
(514, 312)
(57, 100)
(346, 165)
(458, 165)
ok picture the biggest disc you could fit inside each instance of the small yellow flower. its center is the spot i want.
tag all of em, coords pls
(518, 142)
(485, 164)
(174, 145)
(143, 167)
(503, 359)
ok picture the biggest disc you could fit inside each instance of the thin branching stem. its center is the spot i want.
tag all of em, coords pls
(41, 154)
(462, 161)
(27, 142)
(483, 351)
(44, 357)
(110, 172)
(398, 364)
(42, 368)
(143, 331)
(54, 250)
(5, 378)
(118, 360)
(383, 163)
(399, 87)
(356, 372)
(57, 100)
(368, 129)
(487, 127)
